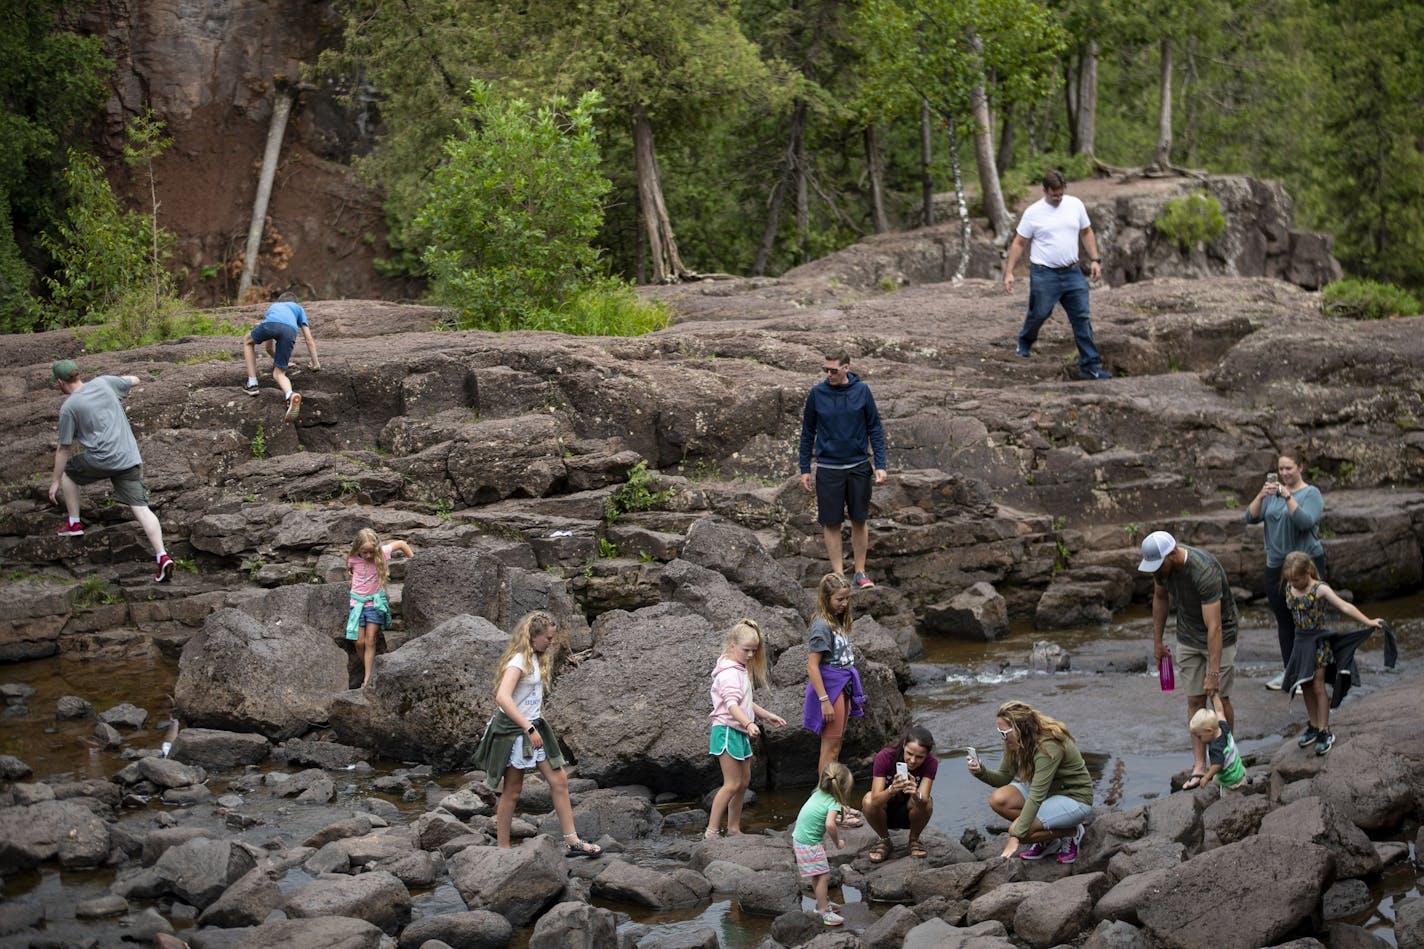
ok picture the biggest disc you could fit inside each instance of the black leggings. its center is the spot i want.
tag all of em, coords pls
(1276, 596)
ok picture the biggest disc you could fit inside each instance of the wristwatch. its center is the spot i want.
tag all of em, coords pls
(531, 729)
(1095, 260)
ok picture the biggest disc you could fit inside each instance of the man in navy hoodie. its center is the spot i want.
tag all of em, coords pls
(841, 421)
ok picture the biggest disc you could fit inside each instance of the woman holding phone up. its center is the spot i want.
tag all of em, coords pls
(899, 795)
(1041, 785)
(1291, 511)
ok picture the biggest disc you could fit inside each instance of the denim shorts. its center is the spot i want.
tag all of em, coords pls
(283, 338)
(372, 614)
(1058, 812)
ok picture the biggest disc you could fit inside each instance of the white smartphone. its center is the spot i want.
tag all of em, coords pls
(972, 754)
(902, 770)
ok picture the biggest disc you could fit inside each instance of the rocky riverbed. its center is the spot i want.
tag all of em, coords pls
(234, 840)
(513, 464)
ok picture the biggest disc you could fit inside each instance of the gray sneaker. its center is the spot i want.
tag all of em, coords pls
(862, 581)
(1278, 683)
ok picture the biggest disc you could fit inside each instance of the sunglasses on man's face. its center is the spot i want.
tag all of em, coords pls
(832, 368)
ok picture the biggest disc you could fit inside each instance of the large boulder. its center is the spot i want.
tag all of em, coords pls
(1240, 896)
(429, 699)
(219, 750)
(499, 580)
(733, 551)
(716, 599)
(1369, 783)
(198, 871)
(574, 926)
(65, 831)
(659, 660)
(1316, 820)
(626, 882)
(518, 882)
(978, 614)
(473, 929)
(377, 897)
(323, 932)
(240, 674)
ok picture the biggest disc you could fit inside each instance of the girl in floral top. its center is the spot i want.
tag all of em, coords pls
(1307, 596)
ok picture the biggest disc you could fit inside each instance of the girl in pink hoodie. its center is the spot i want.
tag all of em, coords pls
(742, 664)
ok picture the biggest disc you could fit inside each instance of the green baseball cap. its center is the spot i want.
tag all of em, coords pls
(64, 370)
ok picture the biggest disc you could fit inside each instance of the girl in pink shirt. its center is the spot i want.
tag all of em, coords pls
(742, 664)
(370, 611)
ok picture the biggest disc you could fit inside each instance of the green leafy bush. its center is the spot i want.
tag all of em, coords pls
(1191, 220)
(102, 250)
(1367, 300)
(512, 215)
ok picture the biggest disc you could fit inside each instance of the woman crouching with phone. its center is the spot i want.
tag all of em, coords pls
(899, 796)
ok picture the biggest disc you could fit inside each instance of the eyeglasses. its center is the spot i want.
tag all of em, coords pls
(1003, 732)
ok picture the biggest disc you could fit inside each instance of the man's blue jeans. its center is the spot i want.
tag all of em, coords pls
(1068, 286)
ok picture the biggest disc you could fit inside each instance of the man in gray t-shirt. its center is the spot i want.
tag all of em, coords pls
(1193, 582)
(92, 418)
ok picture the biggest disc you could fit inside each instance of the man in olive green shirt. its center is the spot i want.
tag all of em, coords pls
(1194, 584)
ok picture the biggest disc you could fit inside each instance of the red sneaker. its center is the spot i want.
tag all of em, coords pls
(71, 530)
(165, 569)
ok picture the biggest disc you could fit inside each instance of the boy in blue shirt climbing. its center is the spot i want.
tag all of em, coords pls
(278, 329)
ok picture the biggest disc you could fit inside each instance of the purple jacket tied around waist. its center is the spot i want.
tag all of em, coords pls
(836, 681)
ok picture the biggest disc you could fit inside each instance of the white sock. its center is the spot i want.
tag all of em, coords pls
(158, 558)
(252, 380)
(72, 520)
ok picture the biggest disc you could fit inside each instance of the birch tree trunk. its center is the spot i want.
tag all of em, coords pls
(662, 244)
(1163, 156)
(966, 231)
(992, 195)
(281, 108)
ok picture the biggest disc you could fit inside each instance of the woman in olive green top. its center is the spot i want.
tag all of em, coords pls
(1042, 784)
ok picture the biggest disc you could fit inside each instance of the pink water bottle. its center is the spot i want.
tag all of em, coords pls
(1164, 672)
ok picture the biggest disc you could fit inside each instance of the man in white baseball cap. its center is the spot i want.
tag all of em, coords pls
(1194, 583)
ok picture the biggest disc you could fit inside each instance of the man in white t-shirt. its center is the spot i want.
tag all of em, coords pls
(1054, 224)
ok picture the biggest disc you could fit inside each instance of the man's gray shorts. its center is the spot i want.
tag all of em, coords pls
(128, 484)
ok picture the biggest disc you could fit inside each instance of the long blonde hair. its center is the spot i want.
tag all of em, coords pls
(747, 629)
(367, 536)
(838, 782)
(521, 643)
(1032, 728)
(833, 583)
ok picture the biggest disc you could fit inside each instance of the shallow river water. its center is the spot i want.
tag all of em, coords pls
(1131, 734)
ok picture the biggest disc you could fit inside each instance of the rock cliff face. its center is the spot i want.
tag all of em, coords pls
(210, 71)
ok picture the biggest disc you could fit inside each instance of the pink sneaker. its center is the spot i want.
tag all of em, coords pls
(862, 581)
(71, 530)
(1038, 851)
(1069, 851)
(165, 570)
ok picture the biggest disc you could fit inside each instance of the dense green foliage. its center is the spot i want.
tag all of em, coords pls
(50, 85)
(1368, 300)
(1191, 220)
(745, 135)
(513, 209)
